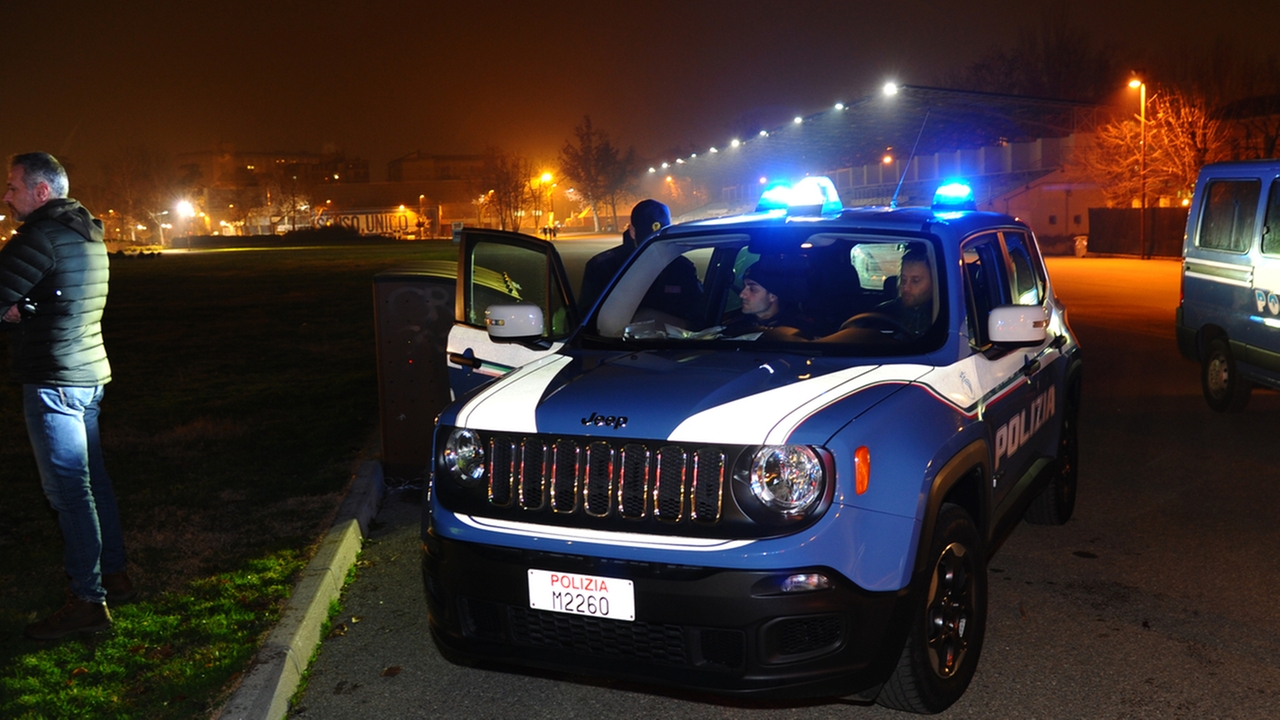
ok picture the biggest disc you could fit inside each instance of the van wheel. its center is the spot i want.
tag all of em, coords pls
(945, 640)
(1224, 389)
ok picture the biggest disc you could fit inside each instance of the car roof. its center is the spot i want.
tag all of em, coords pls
(857, 219)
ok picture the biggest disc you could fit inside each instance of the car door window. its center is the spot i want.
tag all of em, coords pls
(1230, 209)
(1024, 277)
(983, 285)
(507, 273)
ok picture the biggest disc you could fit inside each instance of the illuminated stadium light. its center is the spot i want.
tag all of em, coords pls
(713, 149)
(839, 106)
(798, 120)
(652, 169)
(735, 142)
(891, 88)
(764, 133)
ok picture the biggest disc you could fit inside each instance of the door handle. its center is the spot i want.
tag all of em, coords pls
(1031, 368)
(463, 360)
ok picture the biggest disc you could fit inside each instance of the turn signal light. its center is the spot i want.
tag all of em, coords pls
(861, 469)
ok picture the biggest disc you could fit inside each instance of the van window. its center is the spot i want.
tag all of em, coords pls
(1271, 224)
(1230, 209)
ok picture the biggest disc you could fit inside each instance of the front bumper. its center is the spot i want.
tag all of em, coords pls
(696, 628)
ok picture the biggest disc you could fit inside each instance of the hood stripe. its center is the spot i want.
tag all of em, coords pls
(755, 419)
(520, 392)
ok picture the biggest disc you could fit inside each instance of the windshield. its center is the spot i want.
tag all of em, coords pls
(844, 292)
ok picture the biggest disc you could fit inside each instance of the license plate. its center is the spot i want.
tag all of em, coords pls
(604, 597)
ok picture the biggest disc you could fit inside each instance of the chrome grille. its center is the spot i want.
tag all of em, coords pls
(667, 483)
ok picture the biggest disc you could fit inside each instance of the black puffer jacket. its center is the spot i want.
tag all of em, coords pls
(55, 269)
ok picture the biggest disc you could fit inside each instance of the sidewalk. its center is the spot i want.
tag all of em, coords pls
(282, 660)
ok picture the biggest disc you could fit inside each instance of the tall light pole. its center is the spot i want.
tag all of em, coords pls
(1142, 167)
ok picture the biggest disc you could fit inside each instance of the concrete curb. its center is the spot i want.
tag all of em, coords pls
(278, 667)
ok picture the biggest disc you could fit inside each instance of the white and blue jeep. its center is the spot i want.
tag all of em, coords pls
(643, 494)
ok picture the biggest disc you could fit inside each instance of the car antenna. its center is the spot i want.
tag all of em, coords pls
(894, 202)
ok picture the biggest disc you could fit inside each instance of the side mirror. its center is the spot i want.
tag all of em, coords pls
(519, 323)
(1018, 325)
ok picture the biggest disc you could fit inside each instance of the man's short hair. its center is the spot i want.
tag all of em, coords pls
(41, 167)
(916, 254)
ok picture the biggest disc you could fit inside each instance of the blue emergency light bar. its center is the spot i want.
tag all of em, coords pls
(813, 195)
(953, 196)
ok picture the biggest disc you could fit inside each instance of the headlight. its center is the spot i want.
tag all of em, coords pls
(787, 479)
(464, 457)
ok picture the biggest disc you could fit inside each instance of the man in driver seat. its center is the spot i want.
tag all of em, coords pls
(913, 307)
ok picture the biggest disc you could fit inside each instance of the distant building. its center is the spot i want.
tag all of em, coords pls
(420, 166)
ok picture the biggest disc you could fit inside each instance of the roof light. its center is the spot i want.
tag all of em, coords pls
(839, 106)
(813, 195)
(798, 120)
(735, 142)
(891, 88)
(954, 195)
(764, 133)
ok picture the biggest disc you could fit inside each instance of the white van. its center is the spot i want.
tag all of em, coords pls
(1229, 317)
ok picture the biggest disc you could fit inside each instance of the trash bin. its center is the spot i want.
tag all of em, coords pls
(413, 308)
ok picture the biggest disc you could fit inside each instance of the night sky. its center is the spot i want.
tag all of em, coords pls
(382, 78)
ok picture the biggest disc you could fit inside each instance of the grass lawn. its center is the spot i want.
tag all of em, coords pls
(244, 392)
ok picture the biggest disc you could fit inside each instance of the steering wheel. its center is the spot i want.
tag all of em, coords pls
(876, 321)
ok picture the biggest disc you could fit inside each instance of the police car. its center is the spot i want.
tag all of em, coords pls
(648, 493)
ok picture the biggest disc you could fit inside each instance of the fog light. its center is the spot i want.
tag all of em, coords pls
(805, 583)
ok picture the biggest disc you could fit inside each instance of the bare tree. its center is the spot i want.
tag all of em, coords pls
(1181, 136)
(139, 185)
(600, 173)
(508, 194)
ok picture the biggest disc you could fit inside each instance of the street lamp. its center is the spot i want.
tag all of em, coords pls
(1142, 167)
(551, 198)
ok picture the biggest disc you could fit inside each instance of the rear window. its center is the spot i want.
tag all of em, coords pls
(1230, 211)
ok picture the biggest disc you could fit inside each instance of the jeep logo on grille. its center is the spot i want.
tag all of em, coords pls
(615, 422)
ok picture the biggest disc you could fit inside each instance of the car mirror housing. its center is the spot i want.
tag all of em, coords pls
(520, 323)
(1018, 325)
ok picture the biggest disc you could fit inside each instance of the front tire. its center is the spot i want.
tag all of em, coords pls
(942, 648)
(1224, 389)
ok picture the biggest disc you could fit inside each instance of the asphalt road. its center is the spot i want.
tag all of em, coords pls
(1160, 599)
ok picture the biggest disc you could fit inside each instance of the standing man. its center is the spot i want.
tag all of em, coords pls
(53, 287)
(647, 218)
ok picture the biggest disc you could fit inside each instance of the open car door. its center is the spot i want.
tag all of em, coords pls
(496, 267)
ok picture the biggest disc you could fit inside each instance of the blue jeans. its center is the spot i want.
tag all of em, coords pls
(63, 425)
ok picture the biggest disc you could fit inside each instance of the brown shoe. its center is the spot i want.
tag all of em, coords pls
(76, 616)
(119, 588)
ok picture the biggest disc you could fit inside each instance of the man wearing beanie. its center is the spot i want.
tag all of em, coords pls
(769, 296)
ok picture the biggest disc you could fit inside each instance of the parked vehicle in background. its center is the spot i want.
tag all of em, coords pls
(768, 511)
(1229, 317)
